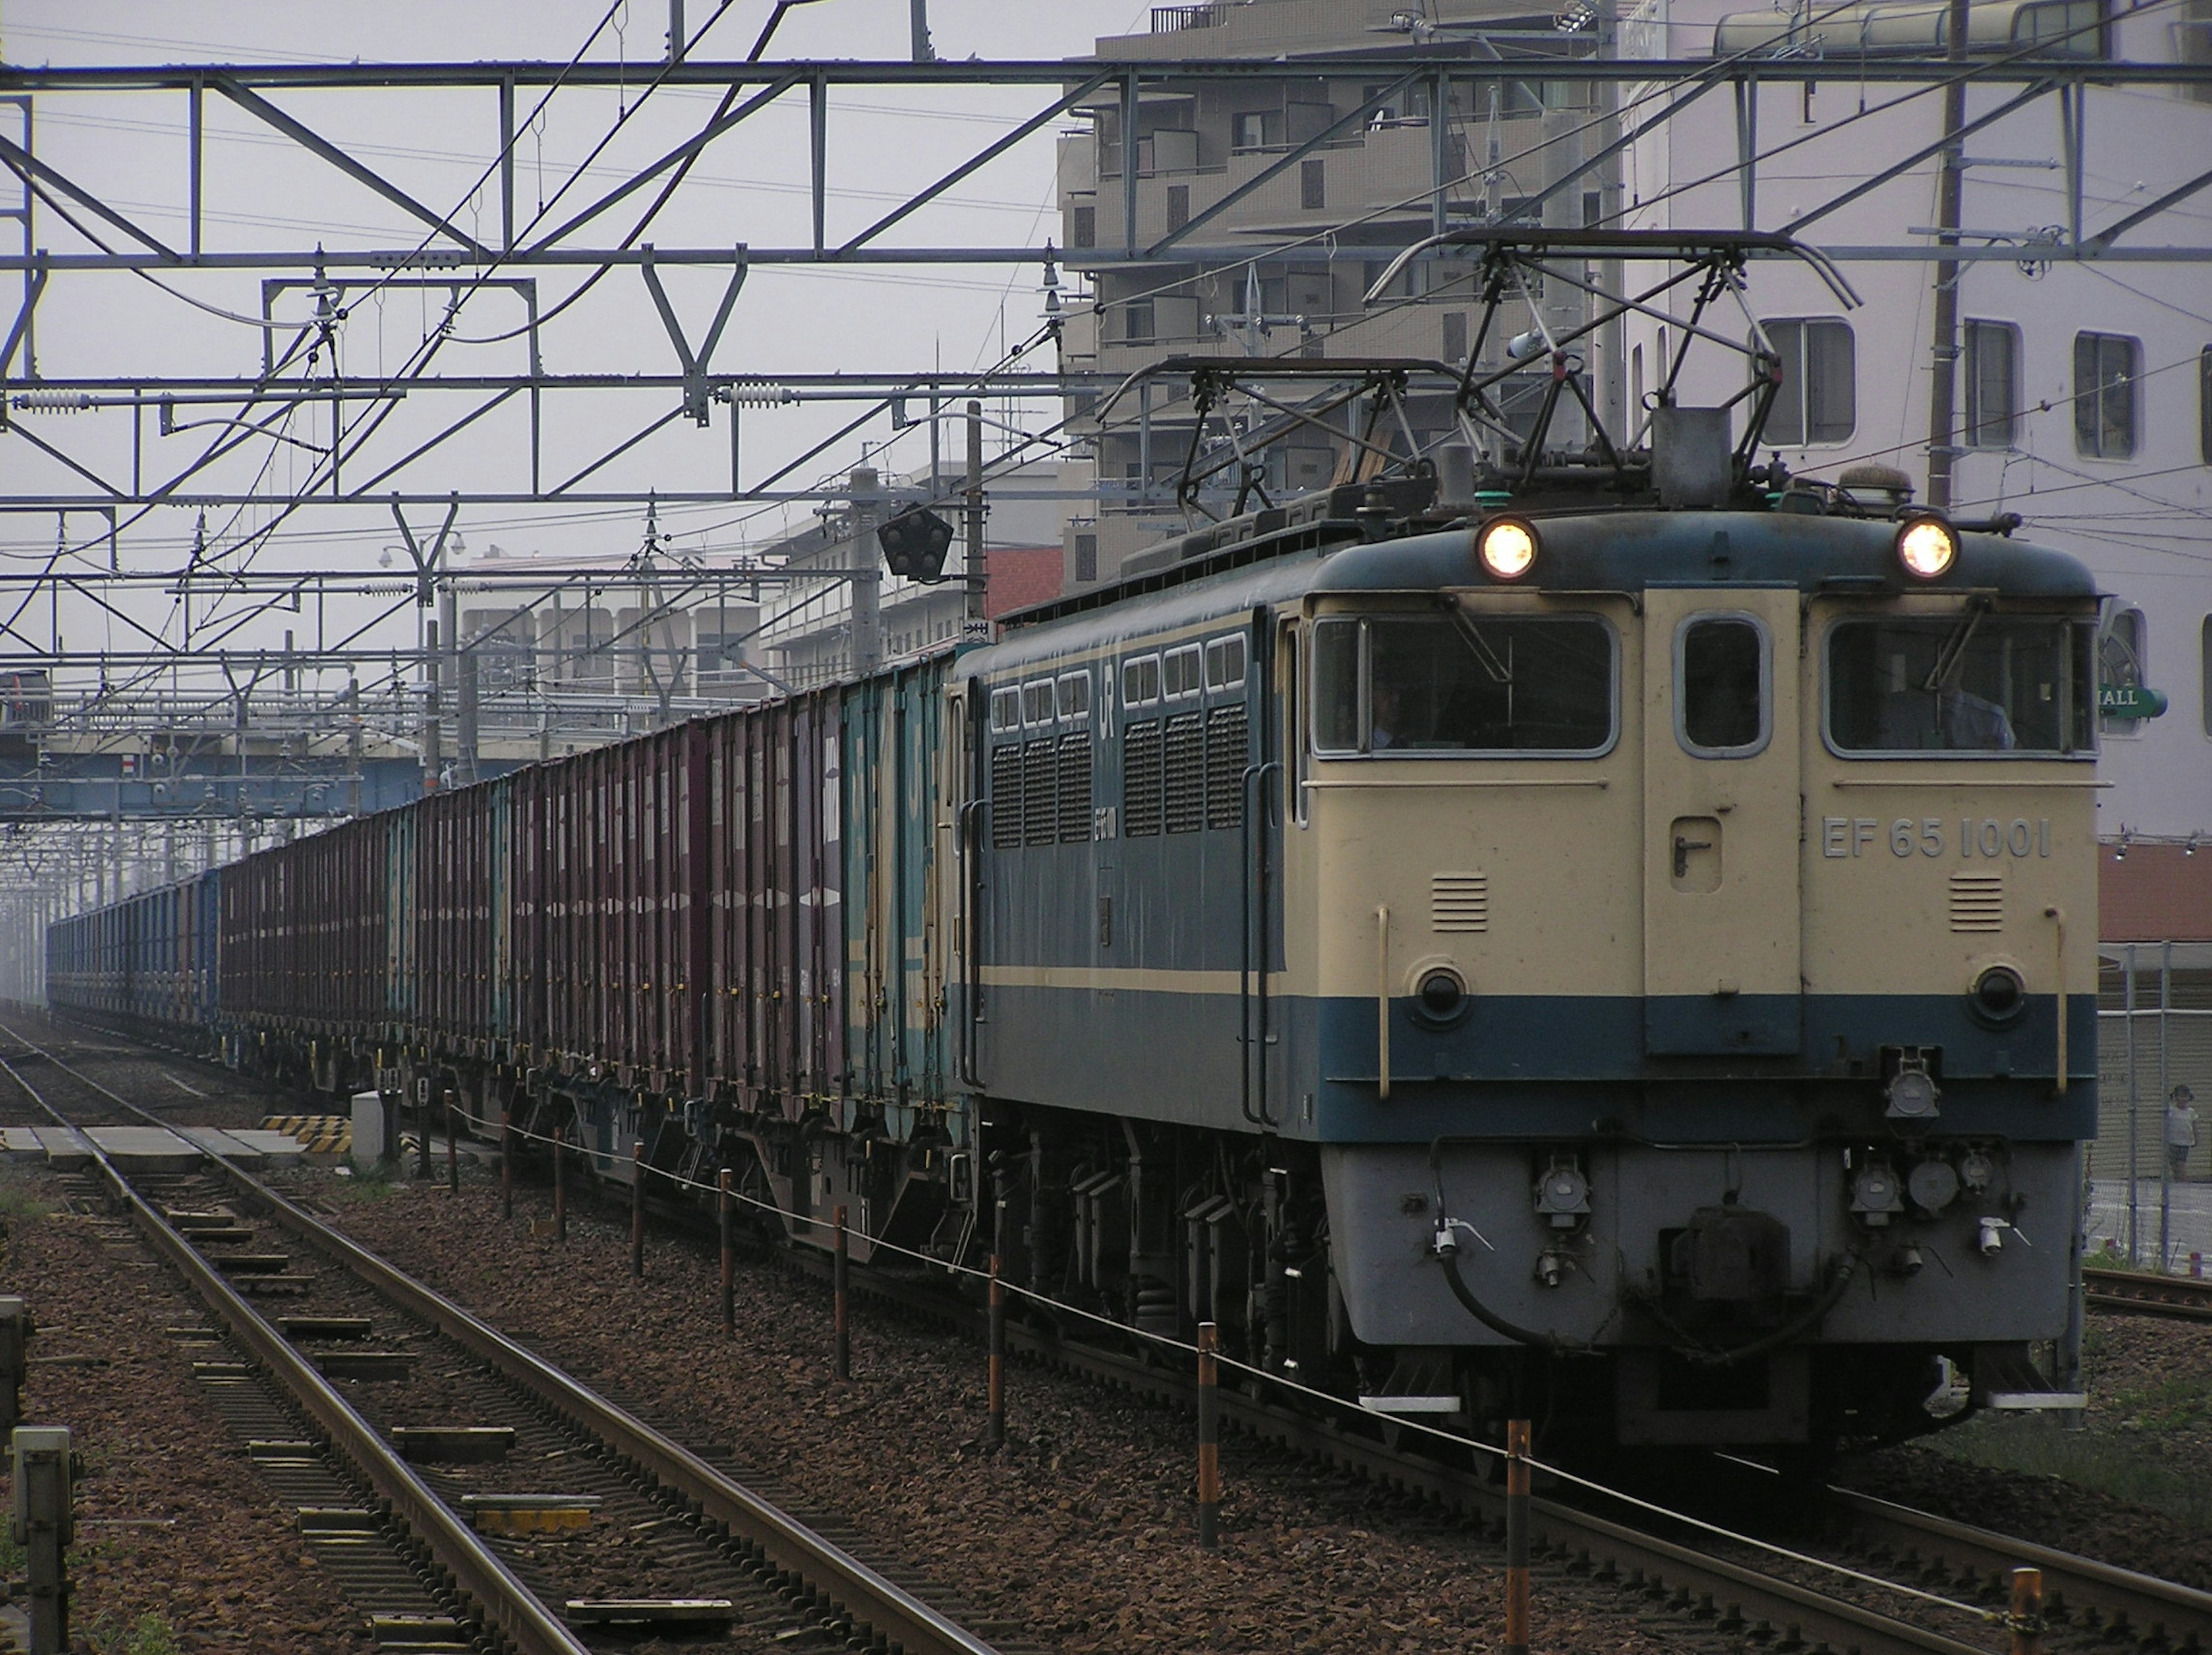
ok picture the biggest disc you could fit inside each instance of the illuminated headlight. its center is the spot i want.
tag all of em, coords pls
(1507, 547)
(1927, 546)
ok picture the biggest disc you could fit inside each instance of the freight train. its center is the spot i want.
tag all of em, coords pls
(1564, 938)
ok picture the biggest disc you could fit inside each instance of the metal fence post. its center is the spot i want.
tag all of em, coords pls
(422, 1125)
(44, 1526)
(994, 1421)
(453, 1142)
(726, 1216)
(506, 1164)
(637, 1209)
(837, 1277)
(2026, 1618)
(1209, 1441)
(1516, 1537)
(15, 1359)
(560, 1185)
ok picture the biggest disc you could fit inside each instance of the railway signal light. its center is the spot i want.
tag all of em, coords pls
(914, 544)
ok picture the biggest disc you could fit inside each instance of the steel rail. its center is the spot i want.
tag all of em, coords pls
(2183, 1297)
(2161, 1614)
(479, 1577)
(876, 1604)
(869, 1599)
(1695, 1580)
(1696, 1583)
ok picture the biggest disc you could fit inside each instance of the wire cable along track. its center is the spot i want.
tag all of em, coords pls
(834, 1588)
(1664, 1558)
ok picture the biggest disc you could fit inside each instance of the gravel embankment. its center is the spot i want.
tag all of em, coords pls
(1079, 1533)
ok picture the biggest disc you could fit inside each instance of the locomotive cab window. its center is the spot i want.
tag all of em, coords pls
(1464, 684)
(1724, 684)
(1036, 703)
(2024, 685)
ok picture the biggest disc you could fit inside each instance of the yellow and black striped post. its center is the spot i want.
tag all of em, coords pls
(1209, 1441)
(637, 1209)
(2026, 1618)
(837, 1279)
(453, 1142)
(994, 1421)
(506, 1164)
(560, 1186)
(1516, 1537)
(727, 1216)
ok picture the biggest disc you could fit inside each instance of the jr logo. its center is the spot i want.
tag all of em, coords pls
(1928, 836)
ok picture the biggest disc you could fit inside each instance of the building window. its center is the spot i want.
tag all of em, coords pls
(1178, 205)
(1083, 228)
(2121, 663)
(1455, 326)
(1990, 366)
(2204, 670)
(1249, 131)
(2204, 396)
(2105, 369)
(1313, 195)
(1086, 558)
(1137, 321)
(1819, 399)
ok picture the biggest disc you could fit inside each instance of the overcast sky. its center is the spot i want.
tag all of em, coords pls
(262, 192)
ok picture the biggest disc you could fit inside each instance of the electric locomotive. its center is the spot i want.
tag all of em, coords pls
(1607, 937)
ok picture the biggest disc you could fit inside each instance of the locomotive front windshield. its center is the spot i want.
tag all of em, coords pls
(1461, 683)
(1970, 683)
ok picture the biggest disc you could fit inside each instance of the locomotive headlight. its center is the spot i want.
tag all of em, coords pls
(1507, 547)
(1927, 546)
(1441, 999)
(1999, 994)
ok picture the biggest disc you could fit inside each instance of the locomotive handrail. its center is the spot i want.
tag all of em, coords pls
(971, 903)
(1382, 1003)
(1253, 873)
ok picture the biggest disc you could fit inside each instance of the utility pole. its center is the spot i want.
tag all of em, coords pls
(867, 576)
(976, 628)
(1943, 366)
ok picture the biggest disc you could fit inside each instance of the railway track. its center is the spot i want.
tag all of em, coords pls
(1679, 1567)
(2088, 1603)
(781, 1578)
(2113, 1604)
(2144, 1295)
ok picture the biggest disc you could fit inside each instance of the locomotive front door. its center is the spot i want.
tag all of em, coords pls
(1720, 762)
